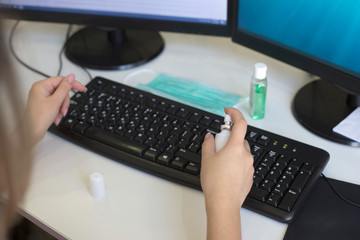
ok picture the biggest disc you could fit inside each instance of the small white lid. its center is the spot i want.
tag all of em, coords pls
(97, 185)
(260, 70)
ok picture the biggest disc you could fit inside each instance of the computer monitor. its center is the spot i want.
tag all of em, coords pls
(319, 37)
(121, 34)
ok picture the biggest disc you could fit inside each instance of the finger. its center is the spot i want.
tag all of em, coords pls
(240, 126)
(247, 145)
(58, 119)
(65, 105)
(63, 90)
(208, 146)
(78, 86)
(47, 86)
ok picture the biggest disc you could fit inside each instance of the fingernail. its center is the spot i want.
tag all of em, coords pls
(57, 121)
(207, 135)
(71, 78)
(65, 112)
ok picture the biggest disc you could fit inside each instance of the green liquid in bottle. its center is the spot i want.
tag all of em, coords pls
(258, 99)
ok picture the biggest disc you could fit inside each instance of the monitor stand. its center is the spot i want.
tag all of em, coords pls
(319, 106)
(110, 49)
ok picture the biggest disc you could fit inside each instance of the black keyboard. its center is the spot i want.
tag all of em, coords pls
(164, 138)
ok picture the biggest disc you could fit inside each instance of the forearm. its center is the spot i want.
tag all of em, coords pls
(223, 222)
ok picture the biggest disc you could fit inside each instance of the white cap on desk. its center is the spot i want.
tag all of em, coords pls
(97, 185)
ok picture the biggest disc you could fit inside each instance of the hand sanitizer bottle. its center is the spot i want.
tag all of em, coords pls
(258, 92)
(222, 137)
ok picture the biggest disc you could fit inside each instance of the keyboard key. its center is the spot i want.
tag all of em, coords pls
(284, 159)
(267, 185)
(189, 156)
(162, 106)
(215, 124)
(258, 193)
(172, 109)
(291, 171)
(300, 181)
(192, 168)
(150, 142)
(273, 199)
(295, 163)
(152, 154)
(261, 172)
(308, 167)
(195, 117)
(68, 123)
(257, 150)
(165, 158)
(153, 102)
(289, 200)
(178, 163)
(278, 167)
(272, 155)
(206, 120)
(194, 147)
(257, 180)
(115, 141)
(263, 140)
(80, 127)
(252, 136)
(140, 98)
(280, 189)
(286, 180)
(266, 163)
(273, 176)
(140, 138)
(182, 112)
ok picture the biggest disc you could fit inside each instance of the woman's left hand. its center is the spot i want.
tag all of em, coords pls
(49, 102)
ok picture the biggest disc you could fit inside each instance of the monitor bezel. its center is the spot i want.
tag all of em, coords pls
(122, 22)
(343, 80)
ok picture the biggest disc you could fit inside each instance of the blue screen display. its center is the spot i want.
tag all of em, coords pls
(327, 31)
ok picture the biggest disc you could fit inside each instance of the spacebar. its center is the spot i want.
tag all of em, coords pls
(115, 141)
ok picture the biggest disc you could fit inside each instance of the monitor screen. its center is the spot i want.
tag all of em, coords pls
(325, 32)
(120, 33)
(316, 36)
(199, 11)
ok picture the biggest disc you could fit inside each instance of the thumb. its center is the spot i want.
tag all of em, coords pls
(63, 89)
(208, 146)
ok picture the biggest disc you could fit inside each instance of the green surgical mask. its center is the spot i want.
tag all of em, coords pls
(192, 93)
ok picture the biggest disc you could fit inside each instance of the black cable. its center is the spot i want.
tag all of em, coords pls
(34, 69)
(63, 48)
(16, 56)
(337, 193)
(87, 72)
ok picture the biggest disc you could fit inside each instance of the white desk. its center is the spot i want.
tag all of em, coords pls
(139, 205)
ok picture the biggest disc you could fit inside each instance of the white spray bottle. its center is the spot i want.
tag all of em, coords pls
(222, 137)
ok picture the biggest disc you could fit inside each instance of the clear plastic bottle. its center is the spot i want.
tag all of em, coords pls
(258, 92)
(222, 137)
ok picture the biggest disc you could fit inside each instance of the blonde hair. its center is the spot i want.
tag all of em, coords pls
(15, 148)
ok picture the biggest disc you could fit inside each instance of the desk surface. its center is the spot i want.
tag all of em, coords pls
(139, 205)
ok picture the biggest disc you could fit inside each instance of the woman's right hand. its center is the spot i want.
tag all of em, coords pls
(226, 179)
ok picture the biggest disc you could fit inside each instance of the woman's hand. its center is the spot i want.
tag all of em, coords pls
(48, 102)
(226, 179)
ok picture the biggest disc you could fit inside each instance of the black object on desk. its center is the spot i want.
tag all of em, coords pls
(325, 215)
